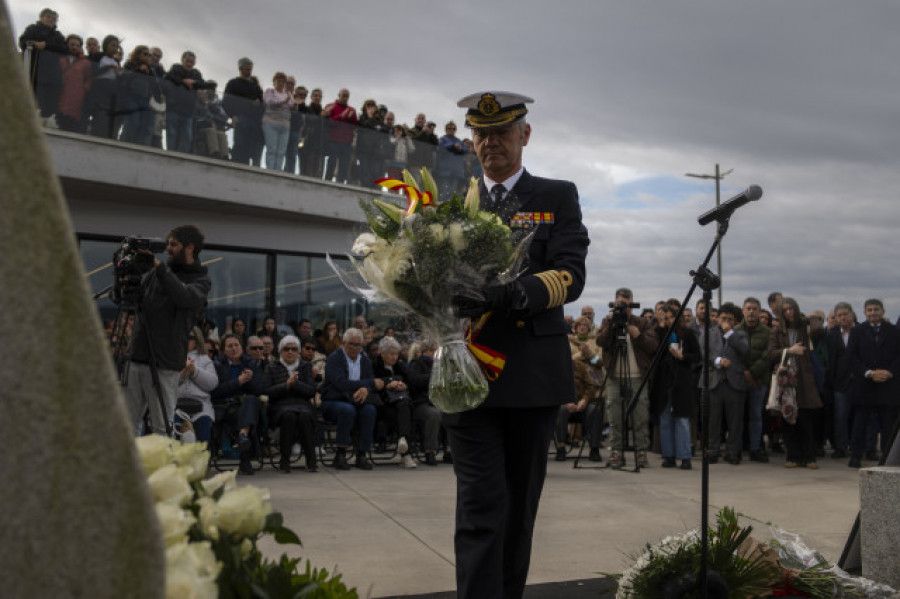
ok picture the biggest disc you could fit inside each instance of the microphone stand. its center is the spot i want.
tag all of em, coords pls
(707, 281)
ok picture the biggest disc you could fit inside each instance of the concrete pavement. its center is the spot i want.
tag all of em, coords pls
(390, 531)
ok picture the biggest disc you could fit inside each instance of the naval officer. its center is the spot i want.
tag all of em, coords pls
(500, 448)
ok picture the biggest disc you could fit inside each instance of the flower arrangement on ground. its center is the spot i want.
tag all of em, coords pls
(211, 528)
(739, 567)
(419, 258)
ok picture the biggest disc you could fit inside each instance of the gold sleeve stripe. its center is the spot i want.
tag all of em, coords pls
(555, 288)
(557, 283)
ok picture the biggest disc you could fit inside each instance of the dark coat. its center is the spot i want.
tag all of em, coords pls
(397, 371)
(229, 387)
(677, 376)
(283, 399)
(839, 372)
(179, 98)
(418, 379)
(337, 385)
(538, 369)
(243, 98)
(644, 345)
(807, 392)
(866, 354)
(173, 302)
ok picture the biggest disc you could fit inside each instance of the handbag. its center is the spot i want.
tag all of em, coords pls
(772, 401)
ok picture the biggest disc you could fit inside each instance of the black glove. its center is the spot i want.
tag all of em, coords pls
(510, 296)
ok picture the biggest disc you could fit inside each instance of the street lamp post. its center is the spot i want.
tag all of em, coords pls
(718, 177)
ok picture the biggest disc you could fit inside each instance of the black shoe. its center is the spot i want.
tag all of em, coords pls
(448, 457)
(855, 462)
(686, 464)
(340, 461)
(734, 461)
(246, 469)
(561, 454)
(362, 462)
(430, 460)
(838, 454)
(284, 467)
(668, 463)
(713, 459)
(759, 456)
(872, 456)
(595, 455)
(777, 448)
(243, 443)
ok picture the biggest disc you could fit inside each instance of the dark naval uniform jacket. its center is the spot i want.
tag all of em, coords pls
(538, 368)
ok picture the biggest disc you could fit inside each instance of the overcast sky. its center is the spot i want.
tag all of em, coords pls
(800, 97)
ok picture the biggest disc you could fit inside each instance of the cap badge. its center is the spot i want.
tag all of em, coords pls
(488, 105)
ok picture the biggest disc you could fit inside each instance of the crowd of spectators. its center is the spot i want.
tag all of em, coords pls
(89, 87)
(842, 374)
(372, 386)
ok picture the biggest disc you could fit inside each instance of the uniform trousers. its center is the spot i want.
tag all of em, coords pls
(500, 461)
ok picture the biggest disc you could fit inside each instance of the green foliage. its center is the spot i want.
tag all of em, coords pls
(672, 559)
(381, 217)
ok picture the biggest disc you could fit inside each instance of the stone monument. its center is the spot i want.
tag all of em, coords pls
(78, 517)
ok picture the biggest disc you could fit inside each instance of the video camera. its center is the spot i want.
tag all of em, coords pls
(130, 264)
(619, 314)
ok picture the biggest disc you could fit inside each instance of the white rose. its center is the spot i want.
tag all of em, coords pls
(208, 514)
(224, 480)
(364, 244)
(155, 451)
(193, 456)
(170, 485)
(242, 512)
(457, 236)
(175, 523)
(191, 571)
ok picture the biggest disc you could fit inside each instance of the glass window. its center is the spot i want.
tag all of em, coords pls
(306, 287)
(240, 287)
(97, 259)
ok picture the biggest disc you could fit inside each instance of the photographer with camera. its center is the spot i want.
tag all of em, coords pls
(172, 296)
(629, 343)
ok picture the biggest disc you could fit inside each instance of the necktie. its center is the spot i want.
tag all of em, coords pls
(497, 192)
(877, 329)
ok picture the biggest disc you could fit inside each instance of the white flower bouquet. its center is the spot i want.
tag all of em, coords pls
(419, 258)
(211, 528)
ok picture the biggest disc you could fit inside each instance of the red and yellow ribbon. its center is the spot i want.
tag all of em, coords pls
(491, 361)
(416, 196)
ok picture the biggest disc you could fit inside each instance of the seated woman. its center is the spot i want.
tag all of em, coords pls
(270, 329)
(197, 379)
(395, 406)
(423, 411)
(586, 365)
(241, 381)
(290, 385)
(329, 341)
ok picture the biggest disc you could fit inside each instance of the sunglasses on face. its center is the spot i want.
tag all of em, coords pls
(290, 348)
(256, 348)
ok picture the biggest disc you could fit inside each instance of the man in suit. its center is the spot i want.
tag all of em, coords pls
(728, 349)
(874, 349)
(839, 377)
(349, 384)
(500, 448)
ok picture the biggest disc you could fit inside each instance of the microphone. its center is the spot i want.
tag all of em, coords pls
(722, 212)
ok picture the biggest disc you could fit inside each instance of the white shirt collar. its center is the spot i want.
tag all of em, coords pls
(508, 183)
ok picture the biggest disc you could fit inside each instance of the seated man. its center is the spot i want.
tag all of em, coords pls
(349, 381)
(239, 380)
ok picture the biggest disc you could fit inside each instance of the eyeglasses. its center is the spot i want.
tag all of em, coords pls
(289, 348)
(354, 344)
(256, 348)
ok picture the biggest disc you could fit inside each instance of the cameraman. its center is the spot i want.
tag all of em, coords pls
(641, 343)
(173, 295)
